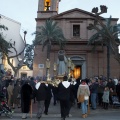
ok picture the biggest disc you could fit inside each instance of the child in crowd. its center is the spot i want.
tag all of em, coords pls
(105, 98)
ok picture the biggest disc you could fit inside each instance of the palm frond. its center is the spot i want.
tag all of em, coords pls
(49, 33)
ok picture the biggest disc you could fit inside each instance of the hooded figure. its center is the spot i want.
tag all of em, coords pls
(64, 92)
(26, 93)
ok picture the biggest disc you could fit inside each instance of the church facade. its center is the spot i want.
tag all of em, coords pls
(74, 25)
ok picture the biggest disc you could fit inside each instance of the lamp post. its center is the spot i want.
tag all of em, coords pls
(47, 69)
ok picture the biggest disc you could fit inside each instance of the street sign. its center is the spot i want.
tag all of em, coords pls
(40, 65)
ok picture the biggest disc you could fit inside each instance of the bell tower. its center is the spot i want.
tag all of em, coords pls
(47, 8)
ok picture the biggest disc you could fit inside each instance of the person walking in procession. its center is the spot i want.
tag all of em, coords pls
(41, 92)
(48, 97)
(26, 93)
(64, 89)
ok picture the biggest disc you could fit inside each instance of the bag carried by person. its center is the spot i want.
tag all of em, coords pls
(81, 98)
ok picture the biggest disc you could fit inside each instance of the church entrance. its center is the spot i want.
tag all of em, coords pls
(77, 72)
(23, 75)
(80, 67)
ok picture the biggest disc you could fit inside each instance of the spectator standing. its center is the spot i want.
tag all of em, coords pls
(93, 90)
(118, 89)
(16, 92)
(115, 80)
(105, 98)
(84, 90)
(111, 86)
(100, 91)
(10, 93)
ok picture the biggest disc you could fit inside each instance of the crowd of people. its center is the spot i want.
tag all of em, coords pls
(96, 92)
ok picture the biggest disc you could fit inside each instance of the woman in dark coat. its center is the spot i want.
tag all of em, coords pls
(26, 93)
(16, 91)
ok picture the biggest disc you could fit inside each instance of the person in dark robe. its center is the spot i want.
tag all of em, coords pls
(26, 92)
(32, 83)
(55, 92)
(64, 89)
(48, 98)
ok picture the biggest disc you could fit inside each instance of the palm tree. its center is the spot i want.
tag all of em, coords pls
(106, 35)
(49, 34)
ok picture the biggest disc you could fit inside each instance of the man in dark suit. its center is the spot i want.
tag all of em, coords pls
(64, 89)
(40, 96)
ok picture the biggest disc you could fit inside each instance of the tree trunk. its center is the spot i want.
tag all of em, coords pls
(48, 51)
(108, 62)
(48, 56)
(15, 73)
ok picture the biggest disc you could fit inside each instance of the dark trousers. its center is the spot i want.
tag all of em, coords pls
(47, 103)
(105, 105)
(64, 106)
(100, 98)
(54, 99)
(110, 99)
(119, 97)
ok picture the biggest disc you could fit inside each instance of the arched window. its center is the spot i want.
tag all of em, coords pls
(47, 4)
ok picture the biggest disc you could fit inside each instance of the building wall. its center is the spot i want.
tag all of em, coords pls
(93, 63)
(25, 70)
(12, 34)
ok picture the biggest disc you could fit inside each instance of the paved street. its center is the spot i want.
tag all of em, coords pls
(75, 114)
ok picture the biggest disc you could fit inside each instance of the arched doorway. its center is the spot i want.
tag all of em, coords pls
(80, 67)
(77, 72)
(23, 74)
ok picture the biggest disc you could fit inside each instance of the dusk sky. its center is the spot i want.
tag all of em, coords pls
(25, 11)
